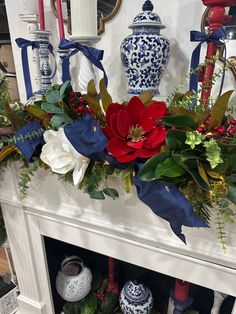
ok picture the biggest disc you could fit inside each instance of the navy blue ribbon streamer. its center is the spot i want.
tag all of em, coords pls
(167, 202)
(94, 55)
(24, 44)
(217, 37)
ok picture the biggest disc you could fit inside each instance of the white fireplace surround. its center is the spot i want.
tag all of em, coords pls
(125, 229)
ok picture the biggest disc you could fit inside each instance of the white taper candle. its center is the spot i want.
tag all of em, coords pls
(84, 17)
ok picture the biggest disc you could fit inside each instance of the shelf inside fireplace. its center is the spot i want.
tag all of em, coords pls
(159, 284)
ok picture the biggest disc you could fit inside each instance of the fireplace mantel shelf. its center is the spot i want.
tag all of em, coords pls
(125, 229)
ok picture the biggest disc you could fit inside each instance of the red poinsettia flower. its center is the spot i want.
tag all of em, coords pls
(134, 131)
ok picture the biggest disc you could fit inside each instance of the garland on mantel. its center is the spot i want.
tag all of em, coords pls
(180, 155)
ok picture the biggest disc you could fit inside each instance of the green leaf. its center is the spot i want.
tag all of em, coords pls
(175, 139)
(36, 112)
(147, 172)
(127, 178)
(181, 110)
(191, 154)
(180, 120)
(105, 96)
(53, 96)
(67, 119)
(51, 108)
(89, 305)
(63, 88)
(219, 109)
(191, 166)
(97, 195)
(169, 168)
(146, 97)
(111, 192)
(232, 193)
(57, 120)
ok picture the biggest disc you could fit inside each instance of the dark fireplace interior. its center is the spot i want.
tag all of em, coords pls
(159, 284)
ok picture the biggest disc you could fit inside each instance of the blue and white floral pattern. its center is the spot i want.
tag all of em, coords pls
(135, 298)
(145, 53)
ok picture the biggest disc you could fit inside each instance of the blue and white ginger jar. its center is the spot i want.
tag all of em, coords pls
(135, 298)
(145, 53)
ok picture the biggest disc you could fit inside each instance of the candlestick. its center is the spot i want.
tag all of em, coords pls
(181, 290)
(60, 19)
(30, 7)
(41, 15)
(44, 52)
(32, 25)
(217, 17)
(84, 17)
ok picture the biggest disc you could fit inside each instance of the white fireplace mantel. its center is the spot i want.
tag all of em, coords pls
(125, 229)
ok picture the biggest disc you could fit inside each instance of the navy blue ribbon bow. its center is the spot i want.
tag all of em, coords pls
(88, 139)
(94, 56)
(24, 44)
(167, 202)
(217, 37)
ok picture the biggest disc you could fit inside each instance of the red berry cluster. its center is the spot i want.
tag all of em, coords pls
(101, 296)
(226, 130)
(79, 104)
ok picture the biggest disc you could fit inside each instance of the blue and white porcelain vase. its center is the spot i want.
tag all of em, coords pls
(135, 298)
(145, 53)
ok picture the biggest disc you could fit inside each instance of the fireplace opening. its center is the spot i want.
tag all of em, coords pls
(160, 285)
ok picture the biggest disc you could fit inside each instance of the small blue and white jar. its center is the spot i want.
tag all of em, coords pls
(145, 53)
(135, 298)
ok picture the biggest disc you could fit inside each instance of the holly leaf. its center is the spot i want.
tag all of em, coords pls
(180, 120)
(169, 168)
(111, 192)
(219, 109)
(147, 172)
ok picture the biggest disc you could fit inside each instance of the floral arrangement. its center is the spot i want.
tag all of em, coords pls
(180, 155)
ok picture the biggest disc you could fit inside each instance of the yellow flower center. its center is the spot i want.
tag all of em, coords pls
(136, 133)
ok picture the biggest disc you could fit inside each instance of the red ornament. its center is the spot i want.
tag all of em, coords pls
(132, 131)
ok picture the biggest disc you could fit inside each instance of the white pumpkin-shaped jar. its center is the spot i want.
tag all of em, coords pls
(135, 298)
(73, 281)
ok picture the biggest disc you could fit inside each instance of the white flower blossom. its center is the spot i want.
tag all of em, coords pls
(60, 155)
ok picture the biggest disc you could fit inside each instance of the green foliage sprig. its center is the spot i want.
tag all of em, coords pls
(26, 173)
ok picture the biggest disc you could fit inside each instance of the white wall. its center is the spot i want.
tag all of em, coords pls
(179, 16)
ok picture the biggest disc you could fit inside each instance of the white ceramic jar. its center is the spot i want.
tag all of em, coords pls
(73, 281)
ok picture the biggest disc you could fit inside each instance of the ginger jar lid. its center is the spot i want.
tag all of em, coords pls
(147, 17)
